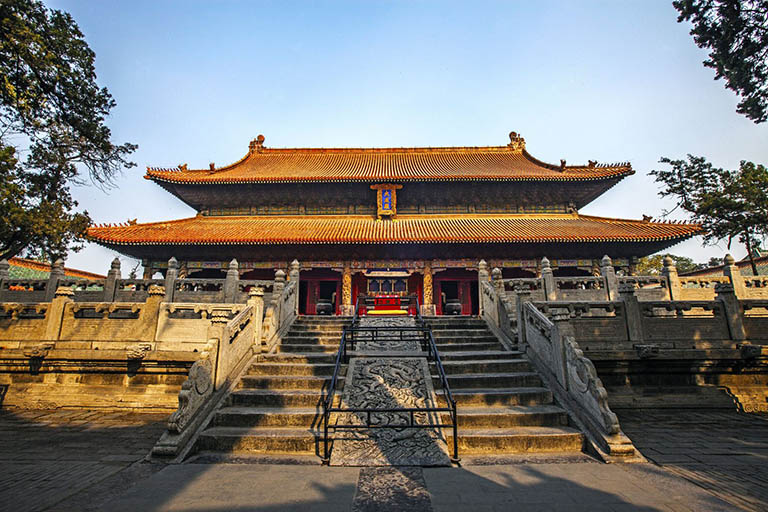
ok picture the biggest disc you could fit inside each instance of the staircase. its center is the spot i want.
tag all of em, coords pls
(276, 407)
(503, 406)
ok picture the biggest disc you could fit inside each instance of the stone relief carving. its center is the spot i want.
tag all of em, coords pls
(388, 383)
(137, 352)
(583, 380)
(194, 391)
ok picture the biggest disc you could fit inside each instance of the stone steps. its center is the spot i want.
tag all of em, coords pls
(474, 354)
(318, 358)
(501, 396)
(279, 398)
(517, 440)
(464, 347)
(258, 440)
(491, 366)
(291, 368)
(275, 398)
(486, 380)
(305, 347)
(511, 416)
(503, 406)
(250, 416)
(286, 382)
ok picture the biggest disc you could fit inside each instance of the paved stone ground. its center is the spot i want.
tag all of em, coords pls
(81, 460)
(524, 487)
(725, 452)
(47, 456)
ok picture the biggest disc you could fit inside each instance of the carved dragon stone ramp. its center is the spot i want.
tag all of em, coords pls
(391, 374)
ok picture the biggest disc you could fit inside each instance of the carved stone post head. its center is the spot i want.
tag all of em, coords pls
(545, 265)
(173, 264)
(64, 292)
(115, 265)
(669, 266)
(482, 270)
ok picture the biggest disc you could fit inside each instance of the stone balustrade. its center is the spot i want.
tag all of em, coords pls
(136, 349)
(230, 289)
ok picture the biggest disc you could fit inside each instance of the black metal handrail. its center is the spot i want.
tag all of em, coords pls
(425, 336)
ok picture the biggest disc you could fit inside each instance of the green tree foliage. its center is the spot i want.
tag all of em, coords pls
(736, 34)
(652, 265)
(52, 130)
(729, 204)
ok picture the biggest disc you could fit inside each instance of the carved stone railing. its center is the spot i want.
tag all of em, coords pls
(552, 347)
(493, 307)
(281, 312)
(230, 289)
(231, 344)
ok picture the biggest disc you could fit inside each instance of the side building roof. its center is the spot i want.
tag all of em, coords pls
(24, 268)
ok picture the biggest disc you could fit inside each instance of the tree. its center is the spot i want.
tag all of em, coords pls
(736, 34)
(53, 112)
(729, 204)
(652, 265)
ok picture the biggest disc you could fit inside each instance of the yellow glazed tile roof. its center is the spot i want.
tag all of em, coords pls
(359, 229)
(495, 163)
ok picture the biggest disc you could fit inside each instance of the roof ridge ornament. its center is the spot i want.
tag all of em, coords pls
(257, 144)
(516, 142)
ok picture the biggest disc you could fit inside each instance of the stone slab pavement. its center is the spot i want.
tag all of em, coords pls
(725, 452)
(91, 460)
(524, 487)
(47, 456)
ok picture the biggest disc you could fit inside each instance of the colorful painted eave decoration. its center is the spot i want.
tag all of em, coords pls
(360, 229)
(329, 165)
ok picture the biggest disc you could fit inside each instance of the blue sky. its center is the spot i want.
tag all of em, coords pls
(607, 80)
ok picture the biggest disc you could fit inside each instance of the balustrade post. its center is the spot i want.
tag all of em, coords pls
(521, 297)
(217, 332)
(256, 301)
(482, 277)
(561, 319)
(294, 274)
(498, 283)
(610, 280)
(55, 314)
(170, 279)
(428, 308)
(548, 280)
(632, 312)
(732, 272)
(57, 274)
(4, 276)
(346, 291)
(277, 296)
(110, 285)
(734, 315)
(230, 283)
(673, 280)
(149, 314)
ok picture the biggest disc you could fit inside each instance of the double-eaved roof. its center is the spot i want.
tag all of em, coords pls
(509, 163)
